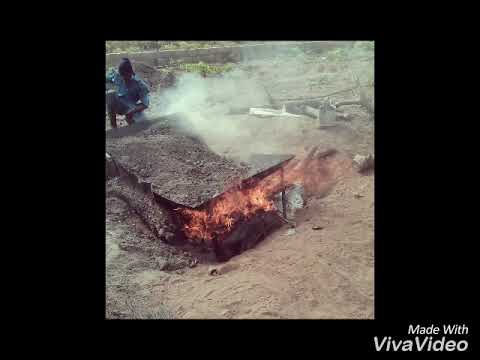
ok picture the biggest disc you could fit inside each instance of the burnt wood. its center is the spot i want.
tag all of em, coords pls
(246, 235)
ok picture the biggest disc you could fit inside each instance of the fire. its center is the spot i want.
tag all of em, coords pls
(238, 204)
(233, 206)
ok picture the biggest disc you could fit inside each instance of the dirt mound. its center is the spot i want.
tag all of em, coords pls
(145, 206)
(179, 166)
(130, 248)
(139, 238)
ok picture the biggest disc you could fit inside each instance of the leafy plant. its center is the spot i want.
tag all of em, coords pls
(206, 69)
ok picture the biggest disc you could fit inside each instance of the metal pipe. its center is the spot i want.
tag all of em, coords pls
(284, 200)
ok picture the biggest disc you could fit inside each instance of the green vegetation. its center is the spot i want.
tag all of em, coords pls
(200, 68)
(206, 69)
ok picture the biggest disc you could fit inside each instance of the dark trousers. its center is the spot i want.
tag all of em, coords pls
(117, 105)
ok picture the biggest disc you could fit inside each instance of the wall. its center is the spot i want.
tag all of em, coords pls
(222, 54)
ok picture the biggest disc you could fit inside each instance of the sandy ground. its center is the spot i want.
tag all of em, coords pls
(325, 273)
(295, 272)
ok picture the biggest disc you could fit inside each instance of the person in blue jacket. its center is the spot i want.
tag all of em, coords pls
(129, 96)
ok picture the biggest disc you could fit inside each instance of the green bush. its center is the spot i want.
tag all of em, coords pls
(206, 69)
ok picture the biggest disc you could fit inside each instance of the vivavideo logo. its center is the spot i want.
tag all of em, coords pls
(425, 343)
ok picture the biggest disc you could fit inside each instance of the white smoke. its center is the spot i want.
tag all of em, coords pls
(193, 93)
(206, 102)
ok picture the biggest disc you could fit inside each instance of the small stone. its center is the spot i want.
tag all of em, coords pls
(364, 163)
(169, 237)
(193, 263)
(316, 227)
(162, 263)
(290, 232)
(213, 271)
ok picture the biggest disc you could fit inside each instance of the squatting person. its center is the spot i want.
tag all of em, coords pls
(130, 96)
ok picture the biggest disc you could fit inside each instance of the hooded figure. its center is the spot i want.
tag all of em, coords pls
(130, 96)
(125, 68)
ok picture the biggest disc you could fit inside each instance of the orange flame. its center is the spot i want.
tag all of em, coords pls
(240, 204)
(227, 210)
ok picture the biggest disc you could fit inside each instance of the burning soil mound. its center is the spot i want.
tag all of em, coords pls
(206, 194)
(219, 223)
(210, 198)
